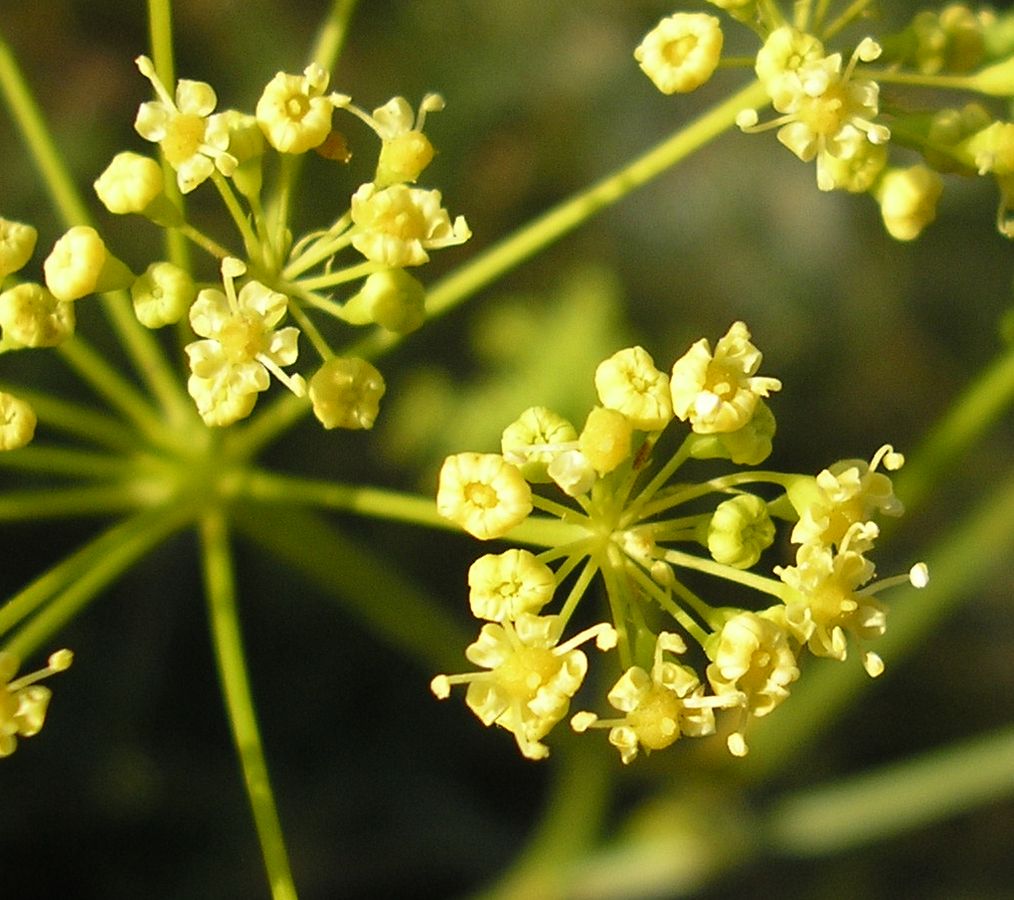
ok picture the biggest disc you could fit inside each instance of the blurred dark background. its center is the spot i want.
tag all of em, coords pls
(133, 787)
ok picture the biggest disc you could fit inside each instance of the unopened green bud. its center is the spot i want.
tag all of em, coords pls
(32, 317)
(162, 295)
(392, 299)
(346, 393)
(740, 530)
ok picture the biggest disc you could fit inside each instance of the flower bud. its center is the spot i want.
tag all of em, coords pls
(739, 531)
(162, 295)
(908, 200)
(32, 317)
(346, 393)
(391, 298)
(129, 183)
(534, 439)
(681, 52)
(402, 158)
(17, 422)
(17, 244)
(80, 264)
(605, 440)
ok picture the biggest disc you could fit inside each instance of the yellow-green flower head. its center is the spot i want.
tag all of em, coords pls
(660, 706)
(79, 264)
(392, 299)
(17, 244)
(605, 439)
(850, 491)
(908, 200)
(129, 183)
(241, 348)
(531, 679)
(950, 40)
(719, 392)
(293, 112)
(535, 439)
(747, 446)
(23, 703)
(856, 173)
(825, 601)
(992, 149)
(194, 141)
(483, 493)
(753, 660)
(785, 52)
(405, 151)
(681, 52)
(162, 294)
(502, 586)
(17, 422)
(740, 531)
(32, 317)
(629, 382)
(826, 112)
(396, 225)
(345, 393)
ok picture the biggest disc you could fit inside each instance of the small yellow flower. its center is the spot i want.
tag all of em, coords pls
(483, 493)
(681, 52)
(660, 706)
(23, 703)
(740, 530)
(17, 422)
(908, 200)
(162, 295)
(535, 439)
(572, 472)
(719, 392)
(531, 678)
(392, 299)
(17, 244)
(751, 658)
(345, 393)
(504, 585)
(129, 183)
(293, 112)
(629, 382)
(79, 264)
(32, 317)
(396, 225)
(194, 141)
(605, 439)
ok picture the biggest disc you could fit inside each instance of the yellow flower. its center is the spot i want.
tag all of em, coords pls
(194, 141)
(79, 264)
(483, 493)
(660, 706)
(17, 422)
(346, 392)
(719, 392)
(17, 244)
(681, 52)
(32, 317)
(396, 225)
(629, 382)
(740, 530)
(293, 112)
(531, 679)
(534, 440)
(162, 294)
(504, 585)
(908, 200)
(23, 703)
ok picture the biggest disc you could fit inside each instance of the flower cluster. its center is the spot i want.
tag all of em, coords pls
(828, 104)
(625, 520)
(388, 226)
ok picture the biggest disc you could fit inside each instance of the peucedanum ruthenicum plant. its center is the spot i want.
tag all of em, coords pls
(627, 522)
(619, 501)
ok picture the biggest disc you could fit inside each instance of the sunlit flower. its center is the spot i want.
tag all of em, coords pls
(345, 393)
(483, 493)
(293, 112)
(23, 702)
(534, 440)
(908, 200)
(194, 141)
(17, 244)
(17, 422)
(32, 317)
(162, 294)
(740, 530)
(396, 225)
(504, 585)
(79, 264)
(530, 678)
(719, 392)
(681, 52)
(629, 382)
(605, 439)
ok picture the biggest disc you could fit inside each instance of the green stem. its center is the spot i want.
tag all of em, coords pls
(64, 461)
(748, 579)
(333, 32)
(209, 245)
(895, 799)
(68, 587)
(93, 500)
(225, 633)
(239, 218)
(342, 276)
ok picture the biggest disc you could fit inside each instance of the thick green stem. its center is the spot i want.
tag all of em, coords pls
(225, 633)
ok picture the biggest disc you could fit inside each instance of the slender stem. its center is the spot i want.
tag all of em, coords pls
(894, 799)
(577, 591)
(307, 327)
(239, 218)
(854, 9)
(70, 585)
(335, 238)
(225, 633)
(206, 243)
(333, 32)
(92, 500)
(893, 76)
(64, 461)
(748, 579)
(342, 276)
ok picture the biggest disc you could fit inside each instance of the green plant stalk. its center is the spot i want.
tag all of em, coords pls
(140, 345)
(220, 589)
(395, 610)
(66, 502)
(73, 568)
(64, 461)
(894, 799)
(86, 573)
(537, 235)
